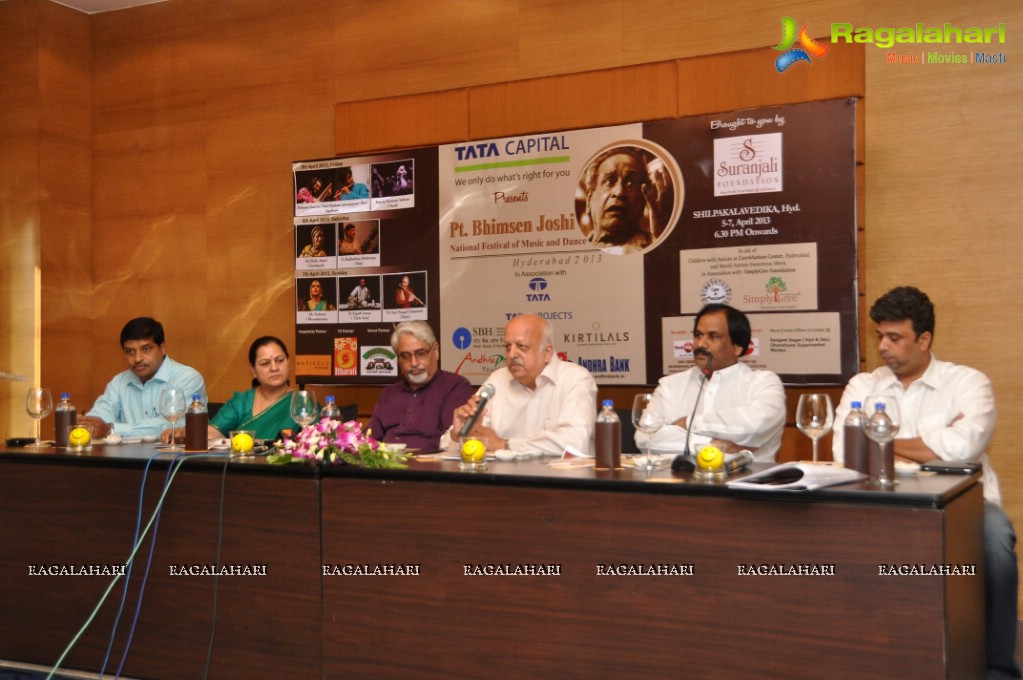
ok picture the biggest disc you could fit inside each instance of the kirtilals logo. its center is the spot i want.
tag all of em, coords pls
(808, 47)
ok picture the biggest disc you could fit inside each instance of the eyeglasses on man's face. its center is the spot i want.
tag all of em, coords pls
(419, 354)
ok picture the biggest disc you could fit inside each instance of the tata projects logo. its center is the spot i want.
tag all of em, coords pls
(808, 47)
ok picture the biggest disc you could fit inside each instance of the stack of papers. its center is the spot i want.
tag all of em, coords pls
(797, 477)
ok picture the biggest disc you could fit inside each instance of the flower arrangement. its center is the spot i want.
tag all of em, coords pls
(332, 442)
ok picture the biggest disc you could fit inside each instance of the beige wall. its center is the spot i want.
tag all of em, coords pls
(183, 117)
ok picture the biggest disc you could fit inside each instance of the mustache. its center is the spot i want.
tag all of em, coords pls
(704, 352)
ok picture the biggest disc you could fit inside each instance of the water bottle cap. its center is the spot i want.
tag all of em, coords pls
(607, 403)
(857, 404)
(65, 395)
(329, 399)
(879, 406)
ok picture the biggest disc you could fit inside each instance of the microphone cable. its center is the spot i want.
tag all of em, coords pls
(131, 566)
(179, 461)
(216, 576)
(682, 462)
(106, 593)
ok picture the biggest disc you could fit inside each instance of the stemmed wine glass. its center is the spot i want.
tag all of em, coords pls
(303, 407)
(814, 417)
(38, 404)
(647, 421)
(883, 421)
(172, 407)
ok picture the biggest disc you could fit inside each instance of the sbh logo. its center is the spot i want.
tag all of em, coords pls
(808, 47)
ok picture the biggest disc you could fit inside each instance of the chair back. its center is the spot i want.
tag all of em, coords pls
(349, 412)
(628, 431)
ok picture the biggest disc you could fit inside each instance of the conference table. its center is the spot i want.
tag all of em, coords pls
(526, 570)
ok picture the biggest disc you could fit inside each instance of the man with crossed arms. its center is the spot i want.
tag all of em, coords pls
(948, 413)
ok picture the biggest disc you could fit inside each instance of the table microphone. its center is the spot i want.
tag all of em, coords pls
(682, 462)
(485, 394)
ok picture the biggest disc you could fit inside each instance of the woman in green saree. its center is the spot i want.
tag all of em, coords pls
(266, 408)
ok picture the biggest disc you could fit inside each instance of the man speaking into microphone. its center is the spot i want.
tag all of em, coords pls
(539, 404)
(720, 400)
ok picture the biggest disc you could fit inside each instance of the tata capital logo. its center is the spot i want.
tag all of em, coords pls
(538, 285)
(808, 47)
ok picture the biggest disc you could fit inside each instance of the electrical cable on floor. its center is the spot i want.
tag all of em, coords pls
(106, 593)
(131, 565)
(216, 576)
(145, 574)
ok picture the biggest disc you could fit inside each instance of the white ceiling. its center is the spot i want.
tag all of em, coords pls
(97, 6)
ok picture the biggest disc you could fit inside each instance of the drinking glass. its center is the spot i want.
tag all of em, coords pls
(38, 404)
(303, 407)
(647, 421)
(882, 431)
(172, 407)
(814, 417)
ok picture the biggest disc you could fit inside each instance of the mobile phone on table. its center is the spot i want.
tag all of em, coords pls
(955, 467)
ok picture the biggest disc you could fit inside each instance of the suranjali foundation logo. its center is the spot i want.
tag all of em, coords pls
(808, 47)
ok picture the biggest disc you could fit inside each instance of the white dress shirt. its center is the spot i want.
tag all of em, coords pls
(561, 411)
(738, 404)
(929, 409)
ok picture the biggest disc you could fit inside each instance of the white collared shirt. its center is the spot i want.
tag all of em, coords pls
(929, 410)
(738, 404)
(559, 412)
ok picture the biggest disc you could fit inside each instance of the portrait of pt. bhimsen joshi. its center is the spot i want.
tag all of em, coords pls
(625, 200)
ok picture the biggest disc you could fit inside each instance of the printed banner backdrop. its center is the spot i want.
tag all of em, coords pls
(365, 259)
(617, 235)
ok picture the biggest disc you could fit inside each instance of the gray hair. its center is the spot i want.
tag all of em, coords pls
(548, 332)
(418, 329)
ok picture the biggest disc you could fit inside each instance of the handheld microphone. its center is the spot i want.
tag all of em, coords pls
(682, 462)
(485, 394)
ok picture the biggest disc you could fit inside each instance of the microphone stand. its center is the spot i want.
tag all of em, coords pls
(682, 462)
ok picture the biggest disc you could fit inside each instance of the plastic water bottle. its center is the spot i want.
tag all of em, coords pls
(855, 440)
(65, 417)
(608, 437)
(197, 422)
(881, 429)
(330, 409)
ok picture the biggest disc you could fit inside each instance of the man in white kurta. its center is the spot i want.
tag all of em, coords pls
(540, 404)
(736, 407)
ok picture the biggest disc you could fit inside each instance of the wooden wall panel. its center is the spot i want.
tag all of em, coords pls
(402, 122)
(594, 99)
(65, 165)
(388, 49)
(150, 249)
(270, 101)
(19, 207)
(747, 79)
